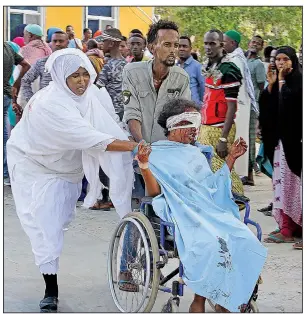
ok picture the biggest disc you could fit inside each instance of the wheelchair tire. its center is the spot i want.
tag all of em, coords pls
(253, 306)
(147, 234)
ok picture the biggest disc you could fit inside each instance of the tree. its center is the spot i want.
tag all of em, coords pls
(277, 25)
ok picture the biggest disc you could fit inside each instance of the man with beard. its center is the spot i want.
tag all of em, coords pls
(222, 83)
(137, 47)
(258, 74)
(147, 86)
(193, 68)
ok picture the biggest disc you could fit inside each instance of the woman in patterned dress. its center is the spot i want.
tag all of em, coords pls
(281, 129)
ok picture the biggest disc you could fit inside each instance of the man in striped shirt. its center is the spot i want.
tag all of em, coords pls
(59, 41)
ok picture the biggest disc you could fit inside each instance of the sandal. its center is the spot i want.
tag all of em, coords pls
(246, 181)
(100, 204)
(265, 209)
(127, 284)
(278, 238)
(274, 232)
(298, 245)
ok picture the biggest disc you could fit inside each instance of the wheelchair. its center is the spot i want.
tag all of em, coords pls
(151, 247)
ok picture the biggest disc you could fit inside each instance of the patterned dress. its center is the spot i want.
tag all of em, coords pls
(287, 194)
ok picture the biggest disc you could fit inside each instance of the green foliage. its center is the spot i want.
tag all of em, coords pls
(277, 25)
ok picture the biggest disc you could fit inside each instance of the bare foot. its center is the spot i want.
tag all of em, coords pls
(198, 304)
(220, 309)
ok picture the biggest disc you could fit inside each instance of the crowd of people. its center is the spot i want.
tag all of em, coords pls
(87, 120)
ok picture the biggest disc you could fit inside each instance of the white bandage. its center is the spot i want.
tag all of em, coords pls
(193, 117)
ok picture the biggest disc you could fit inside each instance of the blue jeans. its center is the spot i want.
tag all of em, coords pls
(131, 233)
(6, 103)
(129, 246)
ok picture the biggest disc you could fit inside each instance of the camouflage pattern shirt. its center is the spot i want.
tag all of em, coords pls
(111, 78)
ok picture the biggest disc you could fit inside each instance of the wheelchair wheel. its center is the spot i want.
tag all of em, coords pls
(253, 306)
(139, 256)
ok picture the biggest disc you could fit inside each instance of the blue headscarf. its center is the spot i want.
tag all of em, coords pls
(19, 30)
(50, 32)
(15, 47)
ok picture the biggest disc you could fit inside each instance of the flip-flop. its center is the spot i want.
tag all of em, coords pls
(274, 232)
(273, 239)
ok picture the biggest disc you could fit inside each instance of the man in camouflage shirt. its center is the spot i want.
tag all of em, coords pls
(111, 74)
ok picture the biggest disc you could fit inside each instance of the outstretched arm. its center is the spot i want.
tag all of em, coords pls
(152, 185)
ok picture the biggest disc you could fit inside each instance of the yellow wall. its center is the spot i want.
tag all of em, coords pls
(63, 16)
(131, 17)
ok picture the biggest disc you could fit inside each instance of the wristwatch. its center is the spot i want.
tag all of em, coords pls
(223, 139)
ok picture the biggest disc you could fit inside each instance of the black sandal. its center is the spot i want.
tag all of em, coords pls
(49, 305)
(265, 209)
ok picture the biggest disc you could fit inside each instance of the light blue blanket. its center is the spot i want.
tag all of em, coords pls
(222, 258)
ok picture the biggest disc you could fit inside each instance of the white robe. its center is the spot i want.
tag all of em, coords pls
(242, 115)
(59, 136)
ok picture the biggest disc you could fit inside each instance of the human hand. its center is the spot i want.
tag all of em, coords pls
(285, 70)
(144, 151)
(271, 75)
(238, 148)
(221, 149)
(17, 109)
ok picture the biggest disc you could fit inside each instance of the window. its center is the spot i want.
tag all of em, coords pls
(23, 15)
(99, 17)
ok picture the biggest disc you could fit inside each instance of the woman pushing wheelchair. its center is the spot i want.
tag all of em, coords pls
(222, 259)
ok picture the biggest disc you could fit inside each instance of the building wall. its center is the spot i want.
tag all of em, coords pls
(127, 19)
(131, 17)
(63, 16)
(5, 23)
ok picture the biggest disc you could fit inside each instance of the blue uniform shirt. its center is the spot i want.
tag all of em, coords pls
(197, 81)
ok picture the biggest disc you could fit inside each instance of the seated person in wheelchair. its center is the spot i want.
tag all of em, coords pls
(221, 257)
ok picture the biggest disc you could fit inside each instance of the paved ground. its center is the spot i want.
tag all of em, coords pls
(83, 273)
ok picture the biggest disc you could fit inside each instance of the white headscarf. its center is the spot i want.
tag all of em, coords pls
(61, 64)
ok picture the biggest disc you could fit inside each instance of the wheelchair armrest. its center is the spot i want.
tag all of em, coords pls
(147, 200)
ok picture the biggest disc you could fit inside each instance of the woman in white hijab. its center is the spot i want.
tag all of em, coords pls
(64, 131)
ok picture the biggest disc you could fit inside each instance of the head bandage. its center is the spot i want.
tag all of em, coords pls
(193, 117)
